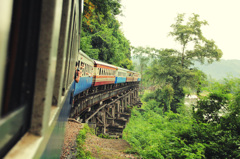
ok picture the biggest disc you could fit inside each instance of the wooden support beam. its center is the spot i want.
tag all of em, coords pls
(113, 113)
(104, 120)
(109, 114)
(99, 120)
(105, 106)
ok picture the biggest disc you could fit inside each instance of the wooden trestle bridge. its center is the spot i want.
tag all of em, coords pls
(107, 109)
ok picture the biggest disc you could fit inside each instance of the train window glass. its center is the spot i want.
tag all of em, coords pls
(19, 73)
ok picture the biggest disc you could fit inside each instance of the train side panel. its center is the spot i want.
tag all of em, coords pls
(121, 75)
(103, 73)
(130, 76)
(54, 145)
(86, 80)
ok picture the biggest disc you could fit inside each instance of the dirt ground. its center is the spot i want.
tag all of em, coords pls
(69, 146)
(107, 148)
(99, 147)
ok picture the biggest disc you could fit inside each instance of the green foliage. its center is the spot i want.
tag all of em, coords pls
(154, 134)
(191, 33)
(175, 68)
(105, 136)
(218, 118)
(210, 130)
(82, 153)
(102, 38)
(143, 55)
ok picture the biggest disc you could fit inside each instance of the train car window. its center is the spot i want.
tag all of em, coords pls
(20, 71)
(83, 69)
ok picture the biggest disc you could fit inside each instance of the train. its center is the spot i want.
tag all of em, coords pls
(42, 71)
(97, 73)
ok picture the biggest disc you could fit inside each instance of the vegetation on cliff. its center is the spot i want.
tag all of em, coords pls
(102, 38)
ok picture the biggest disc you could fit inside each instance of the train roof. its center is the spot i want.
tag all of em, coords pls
(122, 69)
(96, 62)
(85, 55)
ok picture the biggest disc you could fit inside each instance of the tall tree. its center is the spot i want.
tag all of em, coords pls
(190, 33)
(143, 56)
(176, 68)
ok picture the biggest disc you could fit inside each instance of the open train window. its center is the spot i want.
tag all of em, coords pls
(19, 78)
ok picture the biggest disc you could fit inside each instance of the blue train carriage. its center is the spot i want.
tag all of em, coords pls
(121, 75)
(85, 65)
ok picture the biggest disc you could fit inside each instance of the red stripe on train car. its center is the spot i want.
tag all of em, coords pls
(103, 76)
(103, 83)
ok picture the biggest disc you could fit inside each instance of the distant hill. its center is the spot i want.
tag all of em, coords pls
(221, 69)
(217, 70)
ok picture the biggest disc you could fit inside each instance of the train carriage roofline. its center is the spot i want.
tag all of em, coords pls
(85, 55)
(122, 69)
(100, 63)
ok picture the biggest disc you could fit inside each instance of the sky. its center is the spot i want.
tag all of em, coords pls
(147, 22)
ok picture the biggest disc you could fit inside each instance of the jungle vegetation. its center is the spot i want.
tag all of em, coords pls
(167, 128)
(101, 37)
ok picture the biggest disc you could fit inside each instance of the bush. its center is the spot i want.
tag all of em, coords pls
(82, 153)
(210, 130)
(154, 134)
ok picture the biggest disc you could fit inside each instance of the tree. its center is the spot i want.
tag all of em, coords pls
(191, 33)
(102, 38)
(176, 68)
(143, 56)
